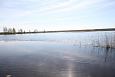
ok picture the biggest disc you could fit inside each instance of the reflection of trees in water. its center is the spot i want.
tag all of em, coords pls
(9, 38)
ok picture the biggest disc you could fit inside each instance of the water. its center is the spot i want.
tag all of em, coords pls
(55, 55)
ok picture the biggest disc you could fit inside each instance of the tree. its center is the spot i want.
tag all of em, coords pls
(10, 30)
(35, 30)
(13, 30)
(24, 31)
(5, 29)
(20, 30)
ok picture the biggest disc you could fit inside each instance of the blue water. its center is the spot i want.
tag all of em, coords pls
(70, 37)
(56, 55)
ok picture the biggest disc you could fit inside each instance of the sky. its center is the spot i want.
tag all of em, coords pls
(57, 14)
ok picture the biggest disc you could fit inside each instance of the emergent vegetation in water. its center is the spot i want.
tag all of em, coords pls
(107, 40)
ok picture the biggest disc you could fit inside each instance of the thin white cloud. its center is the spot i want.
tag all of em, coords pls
(39, 10)
(34, 7)
(67, 6)
(59, 5)
(71, 5)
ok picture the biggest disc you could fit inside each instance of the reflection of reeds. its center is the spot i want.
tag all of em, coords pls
(107, 41)
(114, 39)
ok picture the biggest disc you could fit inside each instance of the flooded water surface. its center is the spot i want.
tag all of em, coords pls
(55, 55)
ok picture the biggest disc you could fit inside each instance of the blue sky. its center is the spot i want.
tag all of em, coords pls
(57, 14)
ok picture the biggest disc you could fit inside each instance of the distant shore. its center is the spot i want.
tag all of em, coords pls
(83, 30)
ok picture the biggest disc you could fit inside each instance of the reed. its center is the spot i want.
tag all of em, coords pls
(106, 40)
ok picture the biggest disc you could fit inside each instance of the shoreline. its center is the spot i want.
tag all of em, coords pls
(84, 30)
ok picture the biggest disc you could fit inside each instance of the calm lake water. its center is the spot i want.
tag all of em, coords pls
(56, 55)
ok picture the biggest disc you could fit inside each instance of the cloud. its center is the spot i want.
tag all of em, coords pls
(76, 5)
(12, 10)
(68, 6)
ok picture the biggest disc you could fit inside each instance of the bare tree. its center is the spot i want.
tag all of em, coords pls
(5, 29)
(13, 30)
(20, 30)
(10, 30)
(35, 30)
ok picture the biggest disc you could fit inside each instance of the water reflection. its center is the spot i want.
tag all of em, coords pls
(105, 53)
(49, 59)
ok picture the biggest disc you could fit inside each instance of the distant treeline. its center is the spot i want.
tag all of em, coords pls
(9, 30)
(21, 31)
(13, 31)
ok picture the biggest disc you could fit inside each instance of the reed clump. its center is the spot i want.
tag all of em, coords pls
(106, 40)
